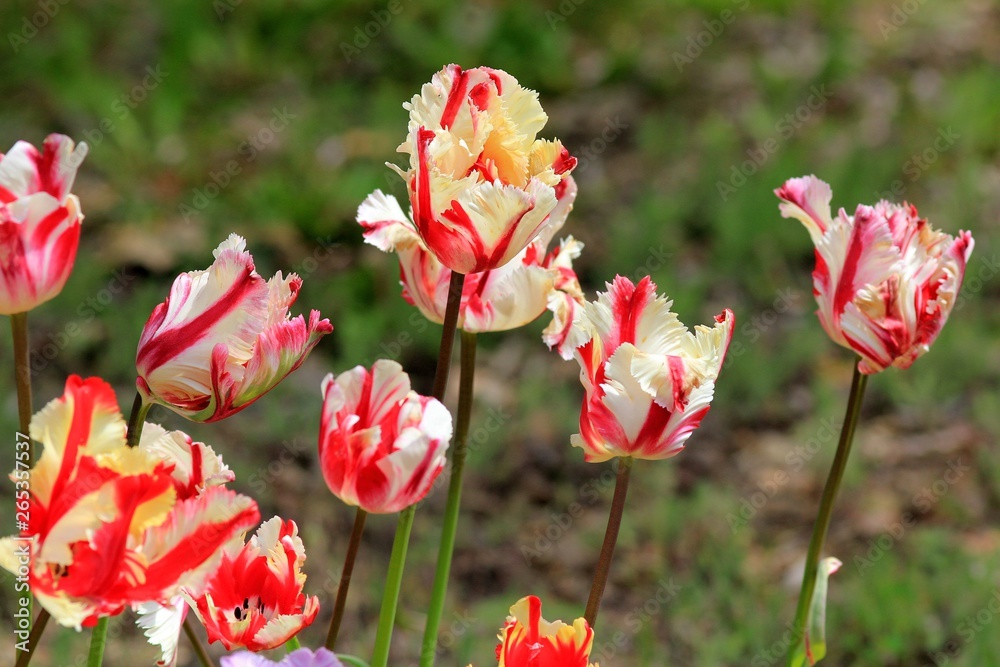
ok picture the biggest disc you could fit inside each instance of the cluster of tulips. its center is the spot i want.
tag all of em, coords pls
(124, 514)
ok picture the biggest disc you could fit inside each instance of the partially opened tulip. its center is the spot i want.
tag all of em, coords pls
(254, 599)
(648, 380)
(885, 280)
(114, 526)
(480, 184)
(495, 300)
(39, 221)
(528, 640)
(223, 338)
(381, 445)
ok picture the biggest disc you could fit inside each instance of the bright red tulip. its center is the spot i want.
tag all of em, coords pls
(648, 380)
(254, 599)
(223, 338)
(528, 640)
(494, 300)
(480, 184)
(885, 280)
(39, 221)
(381, 446)
(115, 526)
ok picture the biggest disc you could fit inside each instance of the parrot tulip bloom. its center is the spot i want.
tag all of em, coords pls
(885, 280)
(255, 599)
(648, 380)
(494, 300)
(480, 184)
(527, 639)
(223, 338)
(381, 446)
(39, 221)
(115, 526)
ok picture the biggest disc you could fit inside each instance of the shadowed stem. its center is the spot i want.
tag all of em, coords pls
(22, 380)
(98, 639)
(136, 419)
(199, 648)
(610, 539)
(22, 376)
(450, 526)
(394, 579)
(345, 578)
(293, 644)
(36, 633)
(833, 481)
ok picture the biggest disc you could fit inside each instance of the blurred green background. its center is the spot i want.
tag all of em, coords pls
(685, 116)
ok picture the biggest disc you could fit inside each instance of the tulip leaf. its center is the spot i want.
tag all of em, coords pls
(811, 648)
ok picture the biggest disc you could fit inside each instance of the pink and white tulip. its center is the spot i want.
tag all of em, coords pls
(381, 445)
(223, 338)
(39, 221)
(254, 599)
(648, 380)
(480, 184)
(885, 280)
(114, 526)
(494, 300)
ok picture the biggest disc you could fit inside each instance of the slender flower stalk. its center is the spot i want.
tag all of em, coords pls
(199, 648)
(449, 527)
(345, 578)
(136, 419)
(833, 482)
(36, 633)
(293, 644)
(22, 375)
(394, 580)
(98, 639)
(610, 539)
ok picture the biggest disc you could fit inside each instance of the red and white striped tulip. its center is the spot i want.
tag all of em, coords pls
(648, 380)
(381, 445)
(528, 640)
(223, 338)
(885, 280)
(480, 184)
(494, 300)
(39, 221)
(114, 526)
(254, 600)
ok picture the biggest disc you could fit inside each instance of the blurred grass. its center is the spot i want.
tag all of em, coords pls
(652, 192)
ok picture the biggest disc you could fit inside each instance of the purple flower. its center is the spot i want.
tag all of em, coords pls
(302, 657)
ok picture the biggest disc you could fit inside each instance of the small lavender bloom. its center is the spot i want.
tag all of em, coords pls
(302, 657)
